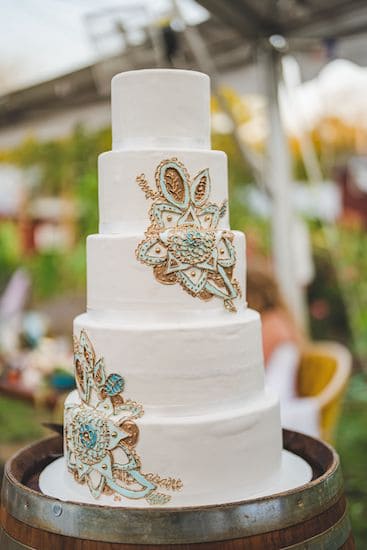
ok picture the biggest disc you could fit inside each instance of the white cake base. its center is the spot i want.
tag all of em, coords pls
(56, 482)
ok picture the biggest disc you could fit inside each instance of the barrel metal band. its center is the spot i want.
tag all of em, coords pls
(8, 543)
(334, 537)
(175, 526)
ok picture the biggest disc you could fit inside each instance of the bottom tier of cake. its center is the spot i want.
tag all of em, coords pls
(132, 459)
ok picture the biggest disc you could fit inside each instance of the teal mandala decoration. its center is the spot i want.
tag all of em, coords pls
(101, 434)
(183, 244)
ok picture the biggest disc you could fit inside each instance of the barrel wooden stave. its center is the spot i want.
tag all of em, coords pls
(326, 527)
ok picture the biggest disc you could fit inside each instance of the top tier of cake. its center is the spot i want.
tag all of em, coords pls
(160, 109)
(157, 115)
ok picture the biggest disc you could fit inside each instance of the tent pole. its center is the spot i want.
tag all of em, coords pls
(279, 181)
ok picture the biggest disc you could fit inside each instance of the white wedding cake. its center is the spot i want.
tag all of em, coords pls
(170, 407)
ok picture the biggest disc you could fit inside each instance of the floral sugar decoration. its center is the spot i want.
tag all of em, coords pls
(101, 434)
(183, 244)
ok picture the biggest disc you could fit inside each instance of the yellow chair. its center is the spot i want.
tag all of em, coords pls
(323, 373)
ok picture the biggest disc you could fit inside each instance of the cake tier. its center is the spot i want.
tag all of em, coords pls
(117, 281)
(160, 108)
(123, 207)
(180, 366)
(211, 458)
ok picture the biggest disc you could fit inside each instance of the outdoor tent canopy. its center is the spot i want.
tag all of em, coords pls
(291, 18)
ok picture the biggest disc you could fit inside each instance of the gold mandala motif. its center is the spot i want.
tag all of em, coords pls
(183, 244)
(101, 434)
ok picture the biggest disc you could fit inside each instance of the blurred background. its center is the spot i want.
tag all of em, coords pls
(289, 82)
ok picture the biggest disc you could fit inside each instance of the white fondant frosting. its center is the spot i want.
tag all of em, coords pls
(128, 285)
(169, 375)
(162, 108)
(181, 367)
(123, 209)
(226, 455)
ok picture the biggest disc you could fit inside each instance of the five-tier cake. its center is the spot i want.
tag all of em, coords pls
(170, 407)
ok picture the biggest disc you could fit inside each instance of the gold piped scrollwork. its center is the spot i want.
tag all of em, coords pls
(183, 244)
(101, 434)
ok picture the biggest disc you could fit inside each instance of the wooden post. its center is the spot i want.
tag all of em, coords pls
(279, 182)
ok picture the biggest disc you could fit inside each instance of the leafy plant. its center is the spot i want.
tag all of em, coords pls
(352, 447)
(65, 168)
(18, 421)
(10, 255)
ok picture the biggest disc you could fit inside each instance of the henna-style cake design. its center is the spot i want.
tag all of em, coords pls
(102, 425)
(183, 243)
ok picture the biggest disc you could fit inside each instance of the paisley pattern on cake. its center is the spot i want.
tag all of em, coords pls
(183, 244)
(101, 434)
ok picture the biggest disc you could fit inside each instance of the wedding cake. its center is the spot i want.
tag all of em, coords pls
(170, 407)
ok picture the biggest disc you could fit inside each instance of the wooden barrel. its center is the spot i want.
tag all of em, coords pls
(313, 516)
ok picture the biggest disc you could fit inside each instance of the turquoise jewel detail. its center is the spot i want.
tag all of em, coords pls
(114, 385)
(88, 436)
(183, 243)
(95, 431)
(91, 436)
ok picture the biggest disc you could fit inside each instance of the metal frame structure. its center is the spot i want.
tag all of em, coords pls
(272, 26)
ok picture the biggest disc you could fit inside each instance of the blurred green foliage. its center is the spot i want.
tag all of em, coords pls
(62, 163)
(328, 317)
(340, 285)
(352, 447)
(350, 258)
(19, 421)
(65, 168)
(55, 273)
(10, 255)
